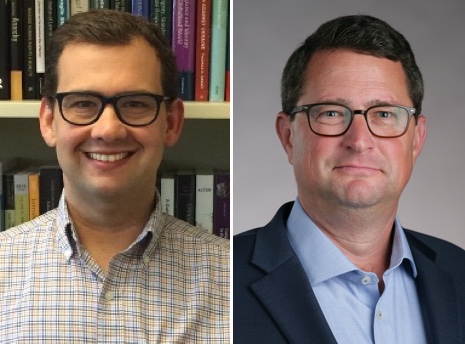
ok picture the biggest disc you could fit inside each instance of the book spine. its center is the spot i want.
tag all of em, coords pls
(161, 15)
(39, 45)
(204, 201)
(185, 197)
(50, 188)
(218, 50)
(29, 52)
(50, 21)
(141, 8)
(21, 182)
(16, 75)
(221, 206)
(5, 54)
(228, 74)
(120, 5)
(62, 11)
(34, 197)
(79, 6)
(98, 4)
(202, 49)
(167, 194)
(184, 45)
(9, 200)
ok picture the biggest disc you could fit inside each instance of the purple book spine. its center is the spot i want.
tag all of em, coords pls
(183, 41)
(221, 205)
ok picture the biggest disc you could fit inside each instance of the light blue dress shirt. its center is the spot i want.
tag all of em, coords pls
(349, 297)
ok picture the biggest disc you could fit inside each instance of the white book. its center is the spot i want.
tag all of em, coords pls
(167, 193)
(40, 36)
(78, 6)
(204, 200)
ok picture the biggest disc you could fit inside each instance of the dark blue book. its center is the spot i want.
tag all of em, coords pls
(141, 8)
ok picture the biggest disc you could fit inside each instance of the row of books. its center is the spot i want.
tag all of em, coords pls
(26, 193)
(196, 29)
(200, 198)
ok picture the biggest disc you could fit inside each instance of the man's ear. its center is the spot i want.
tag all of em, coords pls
(419, 137)
(284, 131)
(174, 122)
(47, 122)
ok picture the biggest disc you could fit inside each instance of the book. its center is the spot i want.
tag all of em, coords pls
(5, 54)
(221, 204)
(167, 192)
(141, 8)
(16, 50)
(218, 50)
(50, 187)
(9, 198)
(204, 200)
(29, 52)
(98, 4)
(21, 184)
(227, 92)
(161, 13)
(79, 6)
(121, 5)
(39, 45)
(5, 165)
(185, 196)
(50, 20)
(62, 11)
(184, 45)
(202, 49)
(34, 196)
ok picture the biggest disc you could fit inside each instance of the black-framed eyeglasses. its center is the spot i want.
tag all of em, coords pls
(133, 109)
(327, 119)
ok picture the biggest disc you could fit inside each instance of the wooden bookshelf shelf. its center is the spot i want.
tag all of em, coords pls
(192, 110)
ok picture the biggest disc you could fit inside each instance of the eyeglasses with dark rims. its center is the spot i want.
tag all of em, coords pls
(133, 109)
(327, 119)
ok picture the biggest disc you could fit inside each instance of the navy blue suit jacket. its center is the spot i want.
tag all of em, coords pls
(274, 301)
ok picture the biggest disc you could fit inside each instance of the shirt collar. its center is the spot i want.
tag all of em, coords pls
(322, 259)
(145, 243)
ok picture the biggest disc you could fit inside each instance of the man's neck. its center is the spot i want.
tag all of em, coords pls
(365, 236)
(106, 229)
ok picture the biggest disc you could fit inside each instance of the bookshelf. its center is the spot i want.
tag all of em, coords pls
(204, 143)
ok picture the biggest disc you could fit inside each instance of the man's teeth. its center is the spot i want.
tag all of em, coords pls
(108, 157)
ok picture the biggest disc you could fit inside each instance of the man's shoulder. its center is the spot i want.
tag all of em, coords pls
(27, 232)
(182, 233)
(438, 245)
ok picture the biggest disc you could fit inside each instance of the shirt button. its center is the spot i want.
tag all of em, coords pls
(146, 259)
(379, 315)
(109, 296)
(366, 280)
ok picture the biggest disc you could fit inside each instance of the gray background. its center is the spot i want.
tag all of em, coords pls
(264, 35)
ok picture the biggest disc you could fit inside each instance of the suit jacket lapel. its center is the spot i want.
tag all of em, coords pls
(437, 294)
(285, 291)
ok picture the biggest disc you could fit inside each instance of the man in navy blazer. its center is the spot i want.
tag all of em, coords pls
(336, 265)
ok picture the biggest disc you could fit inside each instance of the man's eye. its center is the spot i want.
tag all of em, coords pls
(83, 104)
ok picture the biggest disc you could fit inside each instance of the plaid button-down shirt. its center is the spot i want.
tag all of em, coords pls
(170, 286)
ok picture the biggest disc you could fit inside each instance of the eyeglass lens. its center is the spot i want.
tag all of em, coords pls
(133, 109)
(384, 121)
